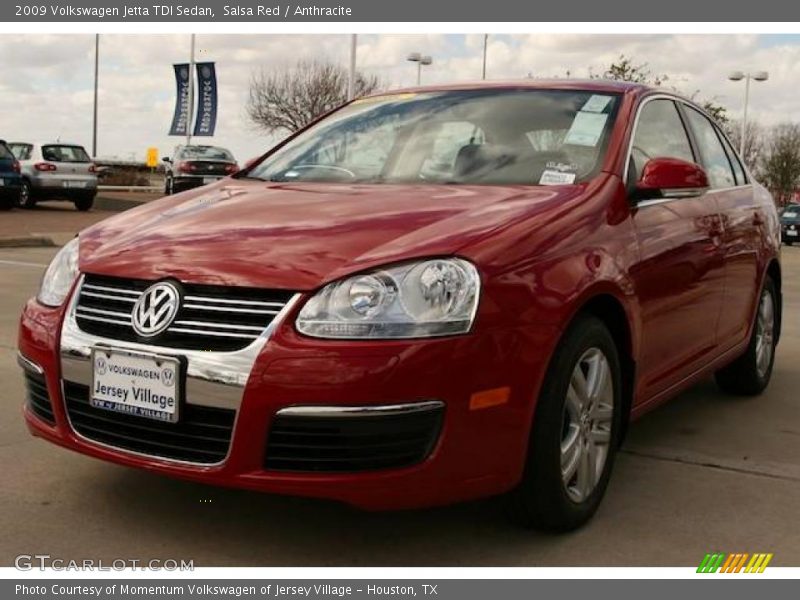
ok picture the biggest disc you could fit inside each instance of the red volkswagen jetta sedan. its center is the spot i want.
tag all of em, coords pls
(423, 297)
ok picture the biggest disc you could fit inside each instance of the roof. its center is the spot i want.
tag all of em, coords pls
(594, 85)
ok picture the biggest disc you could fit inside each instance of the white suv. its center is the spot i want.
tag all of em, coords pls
(55, 171)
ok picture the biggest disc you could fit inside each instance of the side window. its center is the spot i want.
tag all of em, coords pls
(738, 170)
(659, 133)
(714, 159)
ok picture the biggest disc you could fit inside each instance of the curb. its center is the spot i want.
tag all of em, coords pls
(27, 242)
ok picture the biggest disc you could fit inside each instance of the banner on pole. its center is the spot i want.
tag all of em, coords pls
(206, 120)
(180, 118)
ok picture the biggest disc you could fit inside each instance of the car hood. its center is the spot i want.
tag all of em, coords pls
(301, 236)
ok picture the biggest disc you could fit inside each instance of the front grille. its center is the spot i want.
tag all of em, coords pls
(202, 435)
(348, 443)
(38, 398)
(211, 317)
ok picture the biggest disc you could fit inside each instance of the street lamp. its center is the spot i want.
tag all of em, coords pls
(420, 60)
(738, 76)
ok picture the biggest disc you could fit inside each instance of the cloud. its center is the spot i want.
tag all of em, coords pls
(50, 82)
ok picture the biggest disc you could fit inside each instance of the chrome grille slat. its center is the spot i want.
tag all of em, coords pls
(277, 305)
(132, 299)
(100, 311)
(252, 311)
(104, 320)
(219, 325)
(102, 288)
(211, 317)
(213, 333)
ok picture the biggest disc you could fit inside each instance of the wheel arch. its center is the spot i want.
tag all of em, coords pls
(609, 308)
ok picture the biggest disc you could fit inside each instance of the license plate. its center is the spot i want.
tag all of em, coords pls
(210, 179)
(144, 385)
(792, 233)
(74, 184)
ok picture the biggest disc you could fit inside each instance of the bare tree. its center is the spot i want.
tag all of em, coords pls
(753, 145)
(625, 69)
(289, 99)
(780, 163)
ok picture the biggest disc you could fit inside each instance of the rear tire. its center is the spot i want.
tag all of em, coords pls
(84, 203)
(25, 198)
(749, 374)
(575, 432)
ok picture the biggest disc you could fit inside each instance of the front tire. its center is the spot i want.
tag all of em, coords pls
(575, 432)
(749, 374)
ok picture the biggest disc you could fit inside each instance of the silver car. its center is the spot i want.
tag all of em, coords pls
(55, 171)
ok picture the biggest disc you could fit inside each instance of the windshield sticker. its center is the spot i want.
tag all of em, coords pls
(559, 166)
(596, 104)
(586, 129)
(553, 177)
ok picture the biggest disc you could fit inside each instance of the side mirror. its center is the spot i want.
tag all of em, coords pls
(166, 159)
(670, 178)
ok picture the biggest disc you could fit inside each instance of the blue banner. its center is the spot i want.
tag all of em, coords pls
(180, 119)
(206, 99)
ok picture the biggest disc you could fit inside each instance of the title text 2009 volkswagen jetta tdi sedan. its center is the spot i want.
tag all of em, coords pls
(424, 297)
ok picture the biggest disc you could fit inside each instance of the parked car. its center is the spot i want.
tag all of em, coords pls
(193, 166)
(9, 178)
(426, 296)
(790, 224)
(55, 171)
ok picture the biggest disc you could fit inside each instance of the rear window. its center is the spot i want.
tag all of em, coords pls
(205, 153)
(5, 153)
(62, 153)
(21, 151)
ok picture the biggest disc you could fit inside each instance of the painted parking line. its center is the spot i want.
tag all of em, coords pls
(19, 263)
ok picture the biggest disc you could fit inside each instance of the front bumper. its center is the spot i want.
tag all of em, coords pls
(478, 452)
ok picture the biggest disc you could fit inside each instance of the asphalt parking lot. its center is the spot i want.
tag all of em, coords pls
(704, 473)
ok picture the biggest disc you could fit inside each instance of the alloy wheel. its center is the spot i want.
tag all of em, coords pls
(587, 423)
(765, 333)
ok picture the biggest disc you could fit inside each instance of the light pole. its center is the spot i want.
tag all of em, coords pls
(738, 76)
(190, 99)
(420, 60)
(485, 44)
(94, 110)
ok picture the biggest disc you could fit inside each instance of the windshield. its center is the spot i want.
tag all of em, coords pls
(525, 137)
(21, 151)
(205, 153)
(63, 153)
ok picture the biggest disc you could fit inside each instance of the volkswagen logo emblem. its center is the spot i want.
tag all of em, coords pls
(155, 309)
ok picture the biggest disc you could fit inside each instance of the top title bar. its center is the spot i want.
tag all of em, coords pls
(406, 11)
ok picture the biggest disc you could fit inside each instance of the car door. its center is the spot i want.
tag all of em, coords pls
(680, 276)
(742, 221)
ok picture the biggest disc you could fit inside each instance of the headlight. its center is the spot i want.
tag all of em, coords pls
(60, 275)
(422, 299)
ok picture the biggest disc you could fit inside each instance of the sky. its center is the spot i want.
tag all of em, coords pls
(46, 81)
